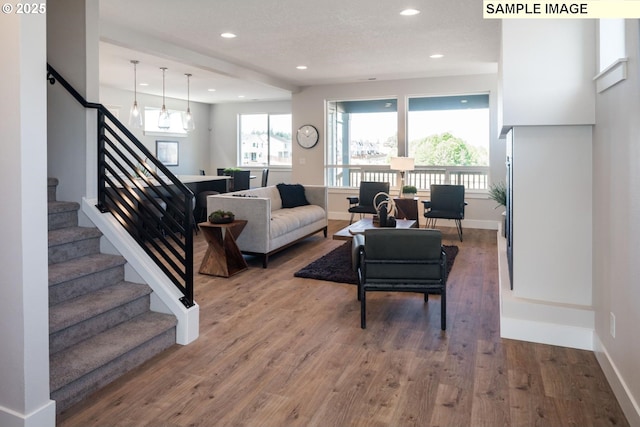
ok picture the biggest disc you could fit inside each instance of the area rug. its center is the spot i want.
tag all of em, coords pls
(336, 265)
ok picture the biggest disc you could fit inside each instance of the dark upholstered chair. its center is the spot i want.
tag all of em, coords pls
(265, 177)
(241, 180)
(200, 211)
(403, 260)
(364, 203)
(446, 202)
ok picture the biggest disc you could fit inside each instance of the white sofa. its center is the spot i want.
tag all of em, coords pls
(270, 227)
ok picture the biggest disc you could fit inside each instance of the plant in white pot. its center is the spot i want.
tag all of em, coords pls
(498, 193)
(409, 191)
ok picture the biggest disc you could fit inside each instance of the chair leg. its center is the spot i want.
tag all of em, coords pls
(459, 227)
(363, 309)
(426, 296)
(443, 309)
(351, 219)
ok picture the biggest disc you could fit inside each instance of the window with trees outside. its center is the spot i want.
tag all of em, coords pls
(264, 140)
(448, 136)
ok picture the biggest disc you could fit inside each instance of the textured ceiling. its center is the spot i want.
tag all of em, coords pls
(339, 41)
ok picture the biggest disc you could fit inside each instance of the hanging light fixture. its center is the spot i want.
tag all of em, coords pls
(164, 119)
(135, 117)
(187, 118)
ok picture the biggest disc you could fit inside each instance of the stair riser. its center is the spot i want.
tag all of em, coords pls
(74, 334)
(59, 220)
(52, 186)
(84, 386)
(85, 284)
(71, 250)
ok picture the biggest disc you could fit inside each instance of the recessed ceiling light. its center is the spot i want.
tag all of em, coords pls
(436, 56)
(228, 35)
(409, 12)
(211, 90)
(301, 67)
(463, 101)
(144, 84)
(240, 96)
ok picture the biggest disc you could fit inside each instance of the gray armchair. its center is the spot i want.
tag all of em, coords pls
(403, 260)
(446, 202)
(364, 203)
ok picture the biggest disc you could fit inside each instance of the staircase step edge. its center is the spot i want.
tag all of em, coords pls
(65, 235)
(82, 266)
(76, 310)
(76, 361)
(59, 206)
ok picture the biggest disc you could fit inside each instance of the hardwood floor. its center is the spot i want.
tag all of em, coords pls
(276, 350)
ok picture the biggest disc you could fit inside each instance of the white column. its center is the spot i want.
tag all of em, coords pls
(24, 313)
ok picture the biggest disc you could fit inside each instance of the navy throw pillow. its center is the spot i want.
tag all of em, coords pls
(292, 195)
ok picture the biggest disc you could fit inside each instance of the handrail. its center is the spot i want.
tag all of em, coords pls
(148, 200)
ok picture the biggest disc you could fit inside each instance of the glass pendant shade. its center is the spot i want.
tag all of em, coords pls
(164, 119)
(135, 117)
(187, 118)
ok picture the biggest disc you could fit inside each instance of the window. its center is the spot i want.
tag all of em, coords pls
(265, 139)
(449, 136)
(362, 137)
(612, 43)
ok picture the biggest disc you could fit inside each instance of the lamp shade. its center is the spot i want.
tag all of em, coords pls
(402, 163)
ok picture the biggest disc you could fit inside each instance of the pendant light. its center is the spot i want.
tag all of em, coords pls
(135, 117)
(187, 118)
(164, 119)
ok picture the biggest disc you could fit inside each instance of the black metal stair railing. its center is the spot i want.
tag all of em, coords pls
(149, 201)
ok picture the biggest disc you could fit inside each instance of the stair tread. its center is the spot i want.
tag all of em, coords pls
(82, 266)
(73, 311)
(61, 206)
(70, 364)
(72, 234)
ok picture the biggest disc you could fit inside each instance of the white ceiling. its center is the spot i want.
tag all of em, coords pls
(340, 41)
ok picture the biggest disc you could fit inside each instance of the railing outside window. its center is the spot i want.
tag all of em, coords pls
(472, 177)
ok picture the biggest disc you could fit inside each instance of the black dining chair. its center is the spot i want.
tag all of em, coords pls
(265, 176)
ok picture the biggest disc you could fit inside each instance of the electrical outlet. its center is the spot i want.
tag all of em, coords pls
(612, 324)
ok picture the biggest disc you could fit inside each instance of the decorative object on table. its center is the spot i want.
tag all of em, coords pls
(336, 265)
(307, 136)
(221, 217)
(402, 164)
(386, 210)
(409, 191)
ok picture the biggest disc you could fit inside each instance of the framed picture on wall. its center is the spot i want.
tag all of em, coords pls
(167, 152)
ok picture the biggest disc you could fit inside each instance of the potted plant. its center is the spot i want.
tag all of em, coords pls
(221, 217)
(409, 191)
(230, 171)
(498, 193)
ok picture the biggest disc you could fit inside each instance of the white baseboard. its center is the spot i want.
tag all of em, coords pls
(546, 333)
(628, 404)
(45, 416)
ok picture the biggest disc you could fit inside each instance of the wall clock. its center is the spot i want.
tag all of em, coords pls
(307, 136)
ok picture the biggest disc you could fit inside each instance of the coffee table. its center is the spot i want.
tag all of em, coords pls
(366, 224)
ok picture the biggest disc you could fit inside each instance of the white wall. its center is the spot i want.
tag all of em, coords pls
(616, 230)
(194, 148)
(24, 313)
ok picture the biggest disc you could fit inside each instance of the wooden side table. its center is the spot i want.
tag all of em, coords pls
(223, 257)
(408, 209)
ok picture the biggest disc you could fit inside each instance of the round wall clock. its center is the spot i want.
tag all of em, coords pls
(307, 136)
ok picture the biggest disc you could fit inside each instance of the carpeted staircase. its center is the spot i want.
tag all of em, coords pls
(100, 326)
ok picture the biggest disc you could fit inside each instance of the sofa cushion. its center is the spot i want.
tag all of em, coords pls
(292, 195)
(284, 221)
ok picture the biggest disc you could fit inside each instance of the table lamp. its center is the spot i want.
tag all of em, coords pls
(402, 164)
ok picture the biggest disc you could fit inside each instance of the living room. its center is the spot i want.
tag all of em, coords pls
(614, 210)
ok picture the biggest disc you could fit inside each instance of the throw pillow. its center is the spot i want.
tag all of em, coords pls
(292, 195)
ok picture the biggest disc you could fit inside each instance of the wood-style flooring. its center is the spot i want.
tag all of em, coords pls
(276, 350)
